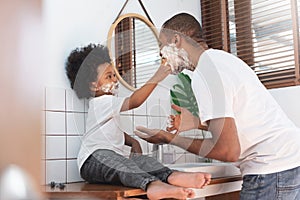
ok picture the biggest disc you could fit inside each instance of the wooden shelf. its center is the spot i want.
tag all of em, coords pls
(85, 190)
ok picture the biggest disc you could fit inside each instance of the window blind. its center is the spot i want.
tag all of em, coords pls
(263, 33)
(137, 51)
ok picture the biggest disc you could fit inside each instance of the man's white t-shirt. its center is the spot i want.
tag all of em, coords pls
(102, 127)
(225, 86)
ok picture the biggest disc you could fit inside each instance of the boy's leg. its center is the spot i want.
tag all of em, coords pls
(182, 179)
(153, 167)
(105, 166)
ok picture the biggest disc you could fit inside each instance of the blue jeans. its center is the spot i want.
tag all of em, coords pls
(106, 166)
(283, 185)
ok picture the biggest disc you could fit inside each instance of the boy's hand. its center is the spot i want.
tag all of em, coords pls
(162, 72)
(135, 149)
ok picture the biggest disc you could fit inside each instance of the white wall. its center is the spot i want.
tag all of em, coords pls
(289, 98)
(74, 23)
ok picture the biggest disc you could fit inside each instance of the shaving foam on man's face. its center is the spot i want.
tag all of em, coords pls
(176, 58)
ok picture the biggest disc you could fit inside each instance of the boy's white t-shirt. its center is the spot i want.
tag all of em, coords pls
(225, 86)
(103, 129)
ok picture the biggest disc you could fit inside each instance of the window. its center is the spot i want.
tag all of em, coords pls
(137, 51)
(263, 33)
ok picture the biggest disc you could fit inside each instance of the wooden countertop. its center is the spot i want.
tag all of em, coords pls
(85, 190)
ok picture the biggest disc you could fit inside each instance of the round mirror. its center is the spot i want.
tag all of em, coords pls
(134, 49)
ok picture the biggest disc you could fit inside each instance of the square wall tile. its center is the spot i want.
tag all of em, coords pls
(191, 158)
(75, 123)
(55, 123)
(56, 171)
(73, 172)
(55, 147)
(43, 147)
(153, 107)
(144, 145)
(140, 121)
(154, 122)
(126, 124)
(73, 103)
(165, 107)
(190, 133)
(43, 122)
(141, 110)
(43, 173)
(168, 154)
(73, 146)
(55, 99)
(180, 158)
(163, 122)
(128, 112)
(178, 149)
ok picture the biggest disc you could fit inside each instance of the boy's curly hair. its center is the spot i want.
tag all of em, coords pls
(81, 67)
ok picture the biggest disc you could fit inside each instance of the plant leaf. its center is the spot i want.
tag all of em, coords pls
(183, 96)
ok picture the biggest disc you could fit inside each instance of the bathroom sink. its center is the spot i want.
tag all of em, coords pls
(216, 169)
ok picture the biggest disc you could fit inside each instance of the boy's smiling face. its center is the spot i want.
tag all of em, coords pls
(105, 80)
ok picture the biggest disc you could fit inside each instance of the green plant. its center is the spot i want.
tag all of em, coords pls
(182, 94)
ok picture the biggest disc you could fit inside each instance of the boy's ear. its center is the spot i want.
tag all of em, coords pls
(94, 87)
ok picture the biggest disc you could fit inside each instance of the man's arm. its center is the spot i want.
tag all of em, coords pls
(224, 144)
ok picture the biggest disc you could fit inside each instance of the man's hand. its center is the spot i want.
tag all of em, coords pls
(155, 136)
(184, 121)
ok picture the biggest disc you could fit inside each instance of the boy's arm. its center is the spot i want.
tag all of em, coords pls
(138, 97)
(133, 143)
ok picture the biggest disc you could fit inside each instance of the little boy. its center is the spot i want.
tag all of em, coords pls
(101, 157)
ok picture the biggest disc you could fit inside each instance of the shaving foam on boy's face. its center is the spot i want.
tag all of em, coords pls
(110, 88)
(176, 58)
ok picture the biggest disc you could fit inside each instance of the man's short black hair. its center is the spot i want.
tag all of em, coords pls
(81, 67)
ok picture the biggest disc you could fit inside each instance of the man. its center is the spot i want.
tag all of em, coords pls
(247, 125)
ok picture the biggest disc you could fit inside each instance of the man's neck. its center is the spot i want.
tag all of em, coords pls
(196, 52)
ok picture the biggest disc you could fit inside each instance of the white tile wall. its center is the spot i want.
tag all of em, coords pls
(56, 147)
(72, 172)
(75, 123)
(55, 171)
(55, 122)
(126, 124)
(64, 116)
(142, 110)
(73, 103)
(73, 145)
(153, 107)
(55, 99)
(140, 121)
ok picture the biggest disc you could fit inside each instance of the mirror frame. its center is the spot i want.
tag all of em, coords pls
(110, 37)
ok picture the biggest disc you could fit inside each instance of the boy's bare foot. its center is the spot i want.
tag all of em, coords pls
(189, 179)
(159, 190)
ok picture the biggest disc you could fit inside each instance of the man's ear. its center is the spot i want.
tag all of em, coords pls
(177, 40)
